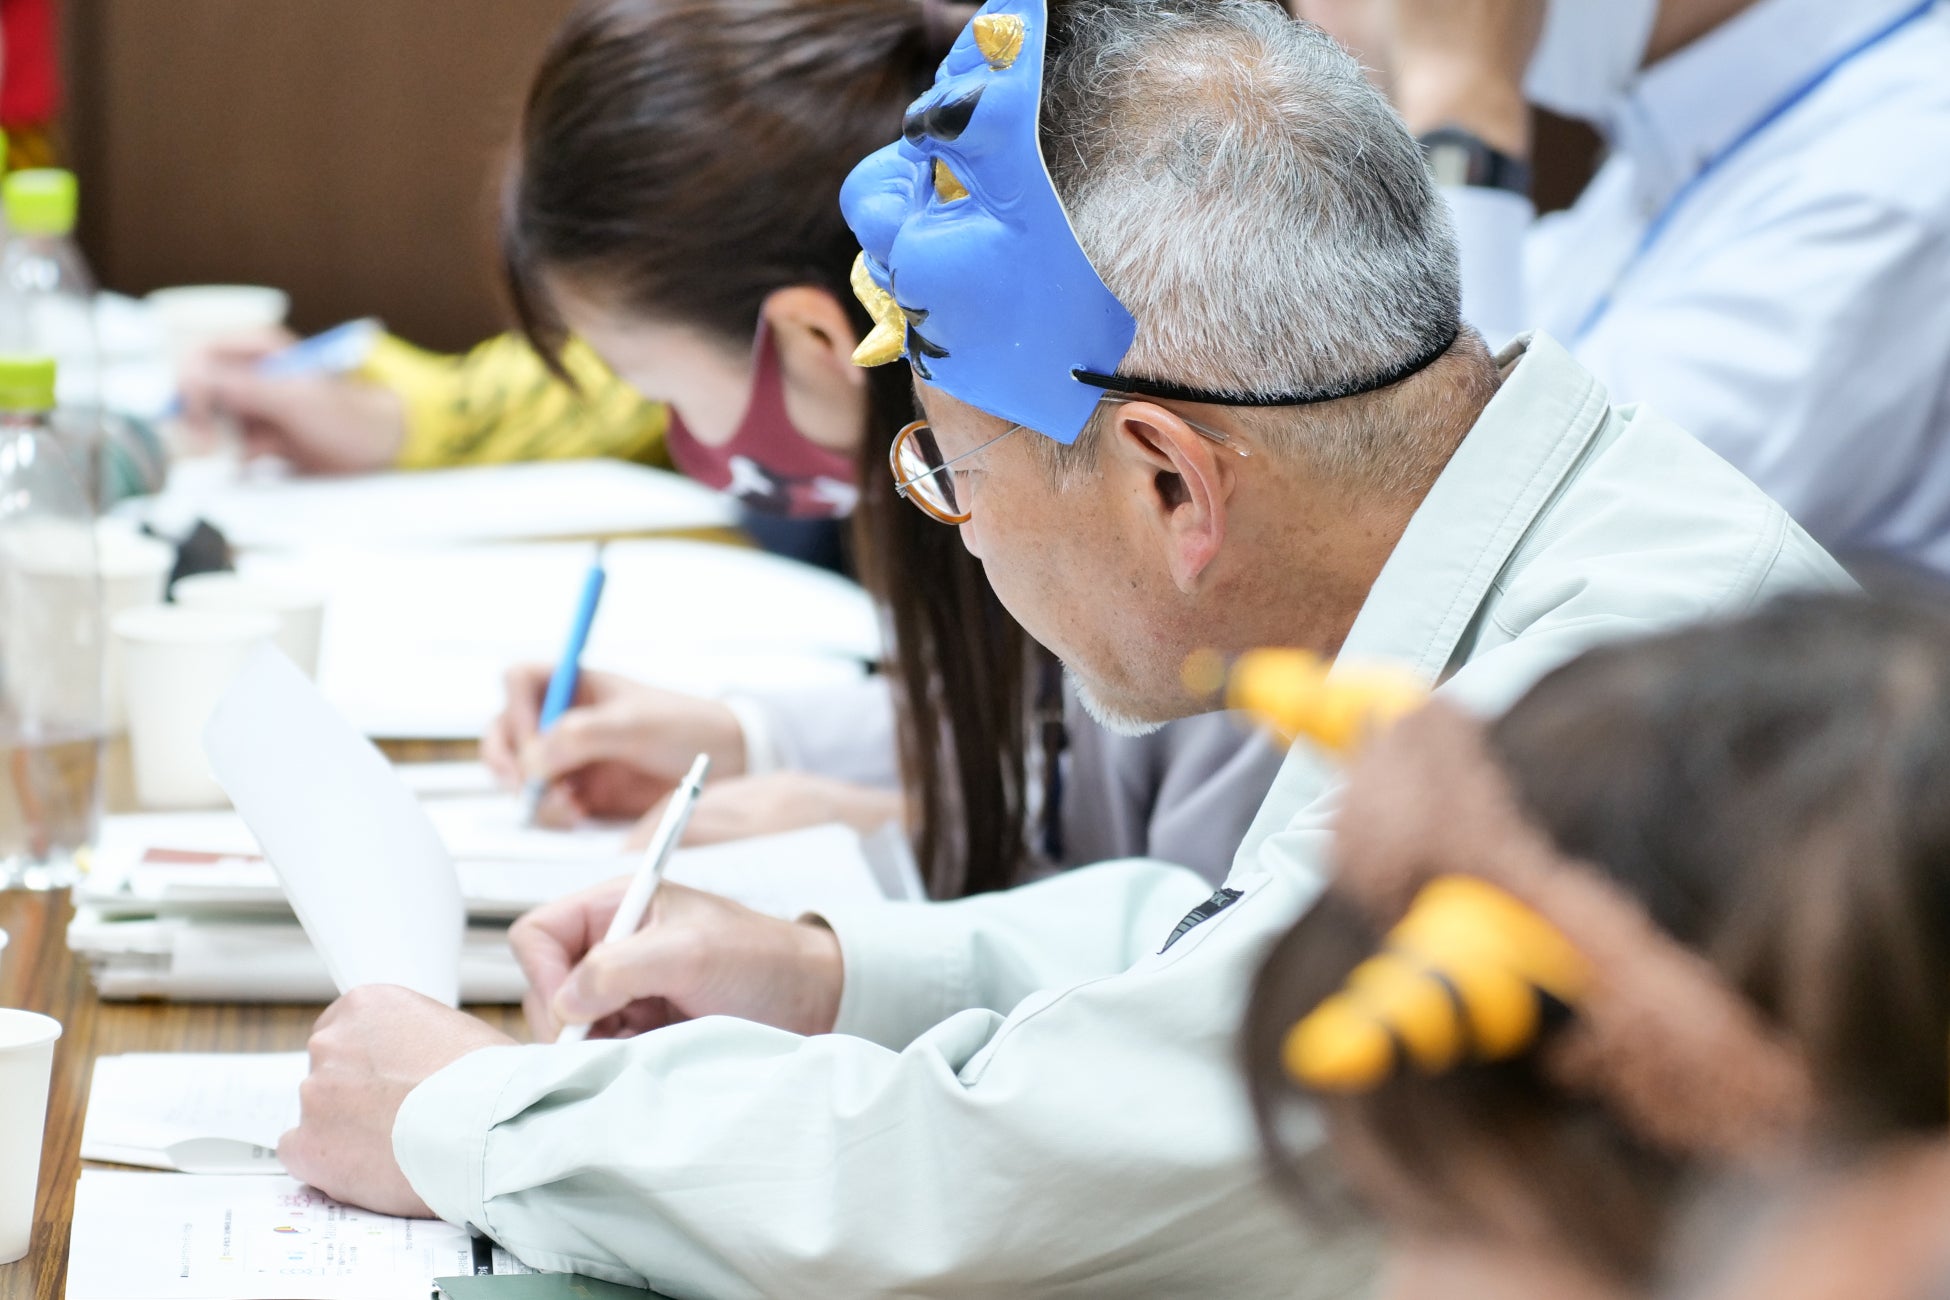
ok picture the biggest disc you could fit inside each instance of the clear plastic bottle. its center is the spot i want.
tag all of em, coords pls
(47, 300)
(51, 641)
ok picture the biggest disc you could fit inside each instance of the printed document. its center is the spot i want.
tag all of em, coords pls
(177, 1237)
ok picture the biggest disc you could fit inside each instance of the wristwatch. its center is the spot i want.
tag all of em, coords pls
(1456, 157)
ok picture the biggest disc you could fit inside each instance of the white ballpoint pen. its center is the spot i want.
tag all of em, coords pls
(643, 886)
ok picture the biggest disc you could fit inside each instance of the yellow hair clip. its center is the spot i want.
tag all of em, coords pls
(1466, 976)
(1292, 692)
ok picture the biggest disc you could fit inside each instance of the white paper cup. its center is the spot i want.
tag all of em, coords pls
(299, 609)
(195, 315)
(26, 1064)
(177, 663)
(135, 572)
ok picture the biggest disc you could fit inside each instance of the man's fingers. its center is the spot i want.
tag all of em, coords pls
(649, 964)
(551, 939)
(294, 1155)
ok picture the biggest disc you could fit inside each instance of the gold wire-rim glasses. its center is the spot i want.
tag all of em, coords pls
(923, 485)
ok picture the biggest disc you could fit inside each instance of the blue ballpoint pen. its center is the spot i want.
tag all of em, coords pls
(337, 351)
(562, 685)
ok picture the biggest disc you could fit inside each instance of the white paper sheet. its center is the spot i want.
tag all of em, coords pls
(205, 1113)
(183, 1237)
(495, 827)
(416, 642)
(483, 503)
(362, 865)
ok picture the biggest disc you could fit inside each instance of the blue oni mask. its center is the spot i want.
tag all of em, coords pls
(969, 266)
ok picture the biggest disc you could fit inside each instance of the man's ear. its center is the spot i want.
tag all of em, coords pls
(814, 334)
(1186, 486)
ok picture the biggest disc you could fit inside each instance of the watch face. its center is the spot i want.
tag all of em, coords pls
(1449, 163)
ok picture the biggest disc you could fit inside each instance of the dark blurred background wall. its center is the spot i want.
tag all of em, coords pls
(340, 149)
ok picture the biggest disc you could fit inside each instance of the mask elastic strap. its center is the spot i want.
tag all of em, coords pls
(1183, 393)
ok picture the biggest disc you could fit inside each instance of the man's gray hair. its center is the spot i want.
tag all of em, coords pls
(1247, 194)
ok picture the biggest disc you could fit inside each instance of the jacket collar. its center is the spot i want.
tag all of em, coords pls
(1505, 472)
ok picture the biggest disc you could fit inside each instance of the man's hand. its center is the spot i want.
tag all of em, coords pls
(696, 955)
(1462, 63)
(621, 748)
(368, 1050)
(322, 424)
(745, 806)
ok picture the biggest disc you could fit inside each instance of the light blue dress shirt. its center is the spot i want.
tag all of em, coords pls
(1795, 314)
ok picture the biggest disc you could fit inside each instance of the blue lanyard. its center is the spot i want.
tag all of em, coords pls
(1663, 222)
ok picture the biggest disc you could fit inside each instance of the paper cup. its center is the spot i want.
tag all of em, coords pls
(195, 315)
(177, 663)
(135, 572)
(26, 1064)
(300, 610)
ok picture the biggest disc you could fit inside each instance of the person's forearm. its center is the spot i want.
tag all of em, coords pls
(1094, 1139)
(498, 403)
(1489, 107)
(1461, 63)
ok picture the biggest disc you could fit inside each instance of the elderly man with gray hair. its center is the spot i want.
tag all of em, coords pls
(1181, 306)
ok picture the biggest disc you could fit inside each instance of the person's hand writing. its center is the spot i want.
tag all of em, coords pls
(696, 955)
(1462, 63)
(745, 806)
(321, 424)
(368, 1051)
(621, 747)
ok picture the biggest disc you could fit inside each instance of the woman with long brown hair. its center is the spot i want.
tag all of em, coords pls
(674, 203)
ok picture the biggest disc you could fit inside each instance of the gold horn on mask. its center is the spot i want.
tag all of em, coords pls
(1292, 692)
(1466, 977)
(888, 338)
(999, 38)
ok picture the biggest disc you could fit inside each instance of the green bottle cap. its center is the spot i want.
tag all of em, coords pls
(40, 201)
(26, 383)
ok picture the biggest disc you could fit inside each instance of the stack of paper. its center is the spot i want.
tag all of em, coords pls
(184, 906)
(412, 891)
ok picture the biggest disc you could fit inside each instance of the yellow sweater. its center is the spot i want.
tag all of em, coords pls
(498, 403)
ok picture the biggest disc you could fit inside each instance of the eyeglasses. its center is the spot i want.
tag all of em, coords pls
(922, 475)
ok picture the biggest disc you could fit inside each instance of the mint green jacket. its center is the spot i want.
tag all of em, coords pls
(1028, 1093)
